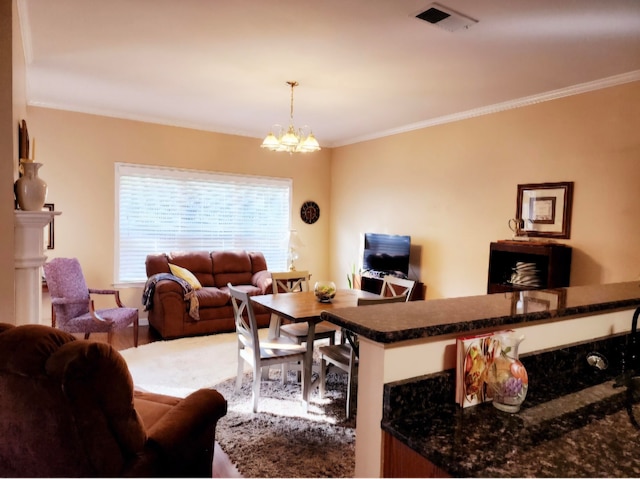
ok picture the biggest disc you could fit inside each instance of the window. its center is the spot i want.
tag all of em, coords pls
(159, 210)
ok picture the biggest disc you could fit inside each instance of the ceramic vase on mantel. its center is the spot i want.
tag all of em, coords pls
(30, 189)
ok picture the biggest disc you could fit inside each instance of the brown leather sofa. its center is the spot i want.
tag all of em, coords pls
(170, 303)
(68, 409)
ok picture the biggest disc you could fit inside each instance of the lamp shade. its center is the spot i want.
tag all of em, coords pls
(270, 141)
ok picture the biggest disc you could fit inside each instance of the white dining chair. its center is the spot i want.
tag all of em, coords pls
(261, 353)
(393, 286)
(344, 356)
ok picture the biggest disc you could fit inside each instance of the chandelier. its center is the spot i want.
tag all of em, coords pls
(298, 140)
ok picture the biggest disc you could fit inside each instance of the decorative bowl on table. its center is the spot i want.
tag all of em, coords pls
(325, 291)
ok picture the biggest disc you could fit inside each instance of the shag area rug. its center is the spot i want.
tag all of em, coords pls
(282, 439)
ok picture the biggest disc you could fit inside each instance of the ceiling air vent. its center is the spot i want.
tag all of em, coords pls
(446, 18)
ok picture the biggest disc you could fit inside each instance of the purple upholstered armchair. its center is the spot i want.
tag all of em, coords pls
(72, 307)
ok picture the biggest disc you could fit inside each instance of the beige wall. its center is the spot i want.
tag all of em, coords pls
(78, 152)
(453, 188)
(12, 108)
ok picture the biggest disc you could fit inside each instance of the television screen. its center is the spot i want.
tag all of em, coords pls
(386, 254)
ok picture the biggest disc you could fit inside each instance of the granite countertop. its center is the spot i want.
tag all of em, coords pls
(590, 433)
(419, 319)
(573, 422)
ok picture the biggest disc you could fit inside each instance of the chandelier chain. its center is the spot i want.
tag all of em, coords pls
(292, 84)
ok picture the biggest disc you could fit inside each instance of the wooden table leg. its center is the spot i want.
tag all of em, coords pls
(274, 326)
(308, 364)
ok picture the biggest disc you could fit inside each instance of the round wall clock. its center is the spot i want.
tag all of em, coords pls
(310, 212)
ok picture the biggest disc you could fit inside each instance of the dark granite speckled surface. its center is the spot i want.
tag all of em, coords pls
(419, 319)
(573, 423)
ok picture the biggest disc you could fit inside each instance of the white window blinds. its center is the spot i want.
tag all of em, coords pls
(159, 210)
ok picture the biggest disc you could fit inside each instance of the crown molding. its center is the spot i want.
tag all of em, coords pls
(464, 115)
(141, 118)
(507, 105)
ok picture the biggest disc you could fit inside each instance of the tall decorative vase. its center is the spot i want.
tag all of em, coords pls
(507, 378)
(30, 189)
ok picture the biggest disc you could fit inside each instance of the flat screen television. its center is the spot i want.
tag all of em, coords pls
(386, 255)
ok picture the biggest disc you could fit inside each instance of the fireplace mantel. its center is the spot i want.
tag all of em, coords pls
(29, 258)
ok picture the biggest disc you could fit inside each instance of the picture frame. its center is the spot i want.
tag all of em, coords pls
(23, 148)
(544, 209)
(49, 236)
(537, 301)
(23, 140)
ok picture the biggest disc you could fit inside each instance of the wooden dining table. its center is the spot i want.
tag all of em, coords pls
(304, 307)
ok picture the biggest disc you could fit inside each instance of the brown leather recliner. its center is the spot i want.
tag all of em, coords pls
(68, 409)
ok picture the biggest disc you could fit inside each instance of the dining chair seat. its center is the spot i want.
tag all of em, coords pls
(299, 331)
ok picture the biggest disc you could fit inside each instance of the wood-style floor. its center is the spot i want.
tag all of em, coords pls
(123, 339)
(222, 465)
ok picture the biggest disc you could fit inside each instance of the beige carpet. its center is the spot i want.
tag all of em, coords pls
(178, 367)
(282, 439)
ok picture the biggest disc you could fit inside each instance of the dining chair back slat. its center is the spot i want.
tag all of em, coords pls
(392, 286)
(290, 281)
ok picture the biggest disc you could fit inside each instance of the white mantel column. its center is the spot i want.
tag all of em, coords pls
(29, 258)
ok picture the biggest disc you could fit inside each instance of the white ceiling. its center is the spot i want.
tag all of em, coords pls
(366, 68)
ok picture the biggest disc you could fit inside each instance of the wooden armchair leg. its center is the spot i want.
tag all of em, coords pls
(135, 332)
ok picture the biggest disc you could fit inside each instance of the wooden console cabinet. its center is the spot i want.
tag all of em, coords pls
(553, 261)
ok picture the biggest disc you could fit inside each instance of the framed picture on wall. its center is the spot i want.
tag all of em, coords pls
(48, 230)
(545, 209)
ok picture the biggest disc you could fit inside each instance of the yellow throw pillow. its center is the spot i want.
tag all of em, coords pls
(185, 274)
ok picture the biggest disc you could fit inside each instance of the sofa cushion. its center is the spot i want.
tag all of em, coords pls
(258, 262)
(262, 280)
(26, 350)
(246, 288)
(231, 267)
(198, 262)
(156, 263)
(212, 297)
(185, 274)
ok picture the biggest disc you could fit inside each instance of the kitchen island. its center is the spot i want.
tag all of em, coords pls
(410, 340)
